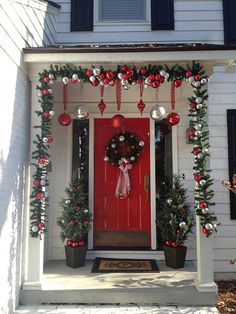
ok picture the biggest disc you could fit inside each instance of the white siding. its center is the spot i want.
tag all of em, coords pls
(21, 25)
(195, 21)
(222, 91)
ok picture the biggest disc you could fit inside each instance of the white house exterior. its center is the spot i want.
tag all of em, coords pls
(44, 29)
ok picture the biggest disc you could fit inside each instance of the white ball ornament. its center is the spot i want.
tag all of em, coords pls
(145, 86)
(203, 81)
(85, 211)
(200, 156)
(198, 132)
(141, 143)
(191, 79)
(205, 150)
(51, 76)
(167, 75)
(40, 95)
(92, 78)
(43, 182)
(202, 182)
(96, 71)
(197, 84)
(65, 80)
(52, 113)
(157, 113)
(126, 87)
(45, 139)
(209, 226)
(50, 90)
(113, 145)
(198, 100)
(121, 138)
(106, 158)
(75, 77)
(169, 201)
(119, 75)
(199, 106)
(163, 73)
(132, 158)
(182, 224)
(35, 228)
(205, 210)
(67, 201)
(147, 81)
(198, 126)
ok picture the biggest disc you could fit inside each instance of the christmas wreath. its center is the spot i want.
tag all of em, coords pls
(123, 147)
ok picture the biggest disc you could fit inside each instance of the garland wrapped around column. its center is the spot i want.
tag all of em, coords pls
(152, 76)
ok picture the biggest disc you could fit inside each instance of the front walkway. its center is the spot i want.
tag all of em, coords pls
(113, 309)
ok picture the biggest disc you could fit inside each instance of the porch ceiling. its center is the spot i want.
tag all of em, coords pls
(149, 53)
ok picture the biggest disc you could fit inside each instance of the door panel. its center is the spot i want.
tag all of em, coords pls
(121, 222)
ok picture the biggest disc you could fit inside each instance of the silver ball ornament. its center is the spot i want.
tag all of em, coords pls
(51, 76)
(113, 145)
(81, 113)
(40, 95)
(205, 150)
(157, 113)
(121, 138)
(119, 75)
(141, 143)
(67, 201)
(52, 113)
(199, 106)
(202, 182)
(163, 73)
(45, 139)
(191, 79)
(96, 71)
(205, 210)
(65, 80)
(198, 126)
(132, 158)
(203, 81)
(169, 201)
(209, 226)
(200, 156)
(92, 78)
(75, 77)
(35, 228)
(182, 224)
(43, 182)
(106, 158)
(197, 84)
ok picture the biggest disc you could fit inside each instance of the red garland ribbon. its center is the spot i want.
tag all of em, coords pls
(65, 96)
(172, 96)
(118, 94)
(141, 89)
(102, 91)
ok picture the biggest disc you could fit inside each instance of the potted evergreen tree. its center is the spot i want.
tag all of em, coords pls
(175, 220)
(74, 222)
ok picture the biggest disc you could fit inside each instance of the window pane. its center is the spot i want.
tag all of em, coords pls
(122, 10)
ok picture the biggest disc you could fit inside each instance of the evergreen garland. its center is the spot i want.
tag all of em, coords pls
(151, 75)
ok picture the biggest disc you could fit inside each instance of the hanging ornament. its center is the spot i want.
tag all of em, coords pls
(158, 113)
(173, 118)
(64, 119)
(118, 94)
(141, 104)
(102, 104)
(81, 113)
(36, 182)
(34, 228)
(118, 121)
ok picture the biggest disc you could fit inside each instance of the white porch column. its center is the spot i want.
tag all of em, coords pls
(34, 247)
(205, 267)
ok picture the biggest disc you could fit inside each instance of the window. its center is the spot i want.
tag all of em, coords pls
(122, 10)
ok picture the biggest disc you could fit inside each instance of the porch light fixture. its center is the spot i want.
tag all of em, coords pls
(81, 113)
(231, 66)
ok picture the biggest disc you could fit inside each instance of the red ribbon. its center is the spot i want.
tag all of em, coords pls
(172, 96)
(65, 96)
(118, 94)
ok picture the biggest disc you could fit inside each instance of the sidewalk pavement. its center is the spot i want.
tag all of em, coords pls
(113, 309)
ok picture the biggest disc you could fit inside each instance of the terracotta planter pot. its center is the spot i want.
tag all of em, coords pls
(175, 257)
(75, 256)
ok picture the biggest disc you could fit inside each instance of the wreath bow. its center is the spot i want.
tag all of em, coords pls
(123, 183)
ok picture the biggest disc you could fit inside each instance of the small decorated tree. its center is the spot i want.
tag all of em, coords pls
(75, 219)
(174, 217)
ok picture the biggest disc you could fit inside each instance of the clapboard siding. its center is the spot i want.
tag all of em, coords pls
(222, 91)
(195, 21)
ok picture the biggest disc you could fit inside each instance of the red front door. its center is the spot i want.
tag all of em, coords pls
(121, 222)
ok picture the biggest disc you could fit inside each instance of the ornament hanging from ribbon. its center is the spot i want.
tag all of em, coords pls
(64, 118)
(118, 94)
(172, 118)
(141, 104)
(102, 104)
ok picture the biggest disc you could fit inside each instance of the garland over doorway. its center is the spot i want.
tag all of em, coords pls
(151, 76)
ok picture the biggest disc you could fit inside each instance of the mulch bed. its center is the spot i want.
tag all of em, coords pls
(226, 300)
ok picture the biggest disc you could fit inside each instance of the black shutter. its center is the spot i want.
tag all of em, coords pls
(231, 120)
(229, 7)
(162, 12)
(81, 15)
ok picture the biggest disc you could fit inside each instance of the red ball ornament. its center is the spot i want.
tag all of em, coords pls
(197, 77)
(125, 76)
(42, 160)
(73, 81)
(173, 118)
(124, 68)
(95, 82)
(101, 76)
(36, 183)
(174, 244)
(138, 81)
(39, 196)
(141, 106)
(45, 92)
(196, 151)
(197, 178)
(191, 133)
(78, 186)
(118, 121)
(156, 84)
(69, 242)
(46, 114)
(64, 119)
(203, 205)
(177, 83)
(41, 225)
(168, 243)
(130, 72)
(81, 243)
(205, 231)
(151, 77)
(89, 72)
(72, 222)
(143, 71)
(193, 105)
(86, 222)
(110, 75)
(46, 79)
(50, 139)
(106, 81)
(158, 77)
(102, 106)
(188, 74)
(75, 244)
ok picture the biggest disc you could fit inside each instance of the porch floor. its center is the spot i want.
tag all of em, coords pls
(63, 285)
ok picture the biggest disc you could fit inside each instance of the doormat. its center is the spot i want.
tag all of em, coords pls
(115, 265)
